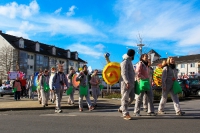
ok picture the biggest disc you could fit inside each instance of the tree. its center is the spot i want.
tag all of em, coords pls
(7, 60)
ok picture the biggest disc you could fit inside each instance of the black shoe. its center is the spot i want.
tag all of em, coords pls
(46, 104)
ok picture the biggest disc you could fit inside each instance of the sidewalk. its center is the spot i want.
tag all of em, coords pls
(29, 104)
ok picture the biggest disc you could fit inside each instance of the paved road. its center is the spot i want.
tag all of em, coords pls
(104, 119)
(93, 124)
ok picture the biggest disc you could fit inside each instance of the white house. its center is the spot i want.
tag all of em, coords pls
(31, 56)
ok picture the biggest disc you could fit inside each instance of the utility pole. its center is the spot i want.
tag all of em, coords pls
(140, 45)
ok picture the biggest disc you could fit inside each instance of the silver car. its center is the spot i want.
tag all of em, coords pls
(6, 89)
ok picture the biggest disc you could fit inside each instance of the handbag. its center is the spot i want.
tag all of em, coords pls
(46, 87)
(69, 90)
(83, 91)
(137, 88)
(144, 85)
(176, 86)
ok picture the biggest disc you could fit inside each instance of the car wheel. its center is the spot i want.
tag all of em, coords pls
(1, 95)
(198, 93)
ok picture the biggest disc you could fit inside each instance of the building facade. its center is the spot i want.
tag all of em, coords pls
(32, 56)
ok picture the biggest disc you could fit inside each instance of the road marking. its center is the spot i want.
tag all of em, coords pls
(3, 114)
(57, 115)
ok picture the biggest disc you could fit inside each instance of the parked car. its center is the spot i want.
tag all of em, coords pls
(184, 83)
(6, 89)
(194, 84)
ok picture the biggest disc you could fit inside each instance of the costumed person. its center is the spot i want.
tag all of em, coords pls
(44, 88)
(95, 81)
(17, 86)
(38, 86)
(30, 85)
(84, 82)
(70, 76)
(143, 74)
(59, 80)
(168, 77)
(51, 92)
(23, 87)
(145, 101)
(127, 83)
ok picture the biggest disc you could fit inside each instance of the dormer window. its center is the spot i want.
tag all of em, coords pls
(54, 51)
(37, 47)
(21, 43)
(68, 54)
(76, 56)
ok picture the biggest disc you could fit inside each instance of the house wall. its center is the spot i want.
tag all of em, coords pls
(187, 69)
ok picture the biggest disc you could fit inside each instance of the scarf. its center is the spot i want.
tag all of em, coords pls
(145, 62)
(172, 66)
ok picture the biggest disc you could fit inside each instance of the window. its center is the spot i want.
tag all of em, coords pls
(192, 65)
(182, 65)
(54, 51)
(31, 67)
(76, 56)
(37, 47)
(68, 54)
(21, 43)
(23, 61)
(28, 56)
(31, 56)
(41, 62)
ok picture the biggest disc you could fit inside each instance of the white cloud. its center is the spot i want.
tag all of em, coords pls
(71, 11)
(18, 33)
(158, 20)
(58, 11)
(26, 26)
(14, 10)
(85, 50)
(99, 47)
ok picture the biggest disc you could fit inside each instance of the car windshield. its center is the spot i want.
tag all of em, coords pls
(194, 82)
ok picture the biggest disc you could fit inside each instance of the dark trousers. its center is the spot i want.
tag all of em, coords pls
(17, 95)
(23, 92)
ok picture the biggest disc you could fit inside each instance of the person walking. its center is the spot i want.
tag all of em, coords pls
(59, 80)
(83, 77)
(95, 81)
(127, 83)
(51, 92)
(17, 86)
(38, 87)
(169, 75)
(23, 87)
(145, 101)
(44, 88)
(29, 87)
(69, 77)
(142, 71)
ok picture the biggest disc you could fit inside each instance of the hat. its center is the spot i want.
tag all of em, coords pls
(131, 52)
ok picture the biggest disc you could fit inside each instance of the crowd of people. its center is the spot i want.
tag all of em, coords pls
(50, 86)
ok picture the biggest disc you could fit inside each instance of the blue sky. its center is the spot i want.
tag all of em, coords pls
(93, 27)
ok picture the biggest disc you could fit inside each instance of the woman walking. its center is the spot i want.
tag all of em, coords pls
(169, 75)
(142, 71)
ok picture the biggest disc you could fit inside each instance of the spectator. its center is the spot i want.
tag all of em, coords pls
(17, 85)
(23, 87)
